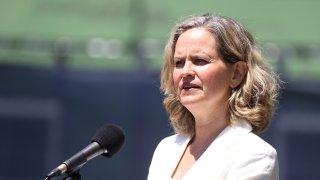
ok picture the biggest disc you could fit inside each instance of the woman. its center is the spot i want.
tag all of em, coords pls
(219, 94)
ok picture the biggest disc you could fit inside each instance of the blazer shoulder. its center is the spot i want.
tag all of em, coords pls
(173, 140)
(255, 144)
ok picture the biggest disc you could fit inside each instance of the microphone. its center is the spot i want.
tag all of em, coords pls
(107, 141)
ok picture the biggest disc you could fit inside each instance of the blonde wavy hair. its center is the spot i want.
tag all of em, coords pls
(254, 100)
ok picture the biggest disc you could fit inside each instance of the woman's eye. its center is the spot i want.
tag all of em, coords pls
(200, 62)
(179, 63)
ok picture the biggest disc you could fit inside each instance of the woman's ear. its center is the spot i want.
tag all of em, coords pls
(240, 69)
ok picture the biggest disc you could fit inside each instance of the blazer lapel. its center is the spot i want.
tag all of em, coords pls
(211, 161)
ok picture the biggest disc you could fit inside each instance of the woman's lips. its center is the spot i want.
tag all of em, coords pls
(188, 86)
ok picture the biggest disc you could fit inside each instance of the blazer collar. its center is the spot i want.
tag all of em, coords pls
(228, 137)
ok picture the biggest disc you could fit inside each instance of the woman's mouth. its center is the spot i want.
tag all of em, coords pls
(190, 86)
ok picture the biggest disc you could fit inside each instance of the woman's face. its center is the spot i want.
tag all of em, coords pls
(200, 77)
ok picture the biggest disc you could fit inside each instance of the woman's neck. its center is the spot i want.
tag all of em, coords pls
(205, 133)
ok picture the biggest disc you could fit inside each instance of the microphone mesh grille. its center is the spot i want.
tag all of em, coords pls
(110, 137)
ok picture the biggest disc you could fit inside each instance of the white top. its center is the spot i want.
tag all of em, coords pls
(236, 154)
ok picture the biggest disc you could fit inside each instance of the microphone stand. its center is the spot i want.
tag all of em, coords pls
(75, 175)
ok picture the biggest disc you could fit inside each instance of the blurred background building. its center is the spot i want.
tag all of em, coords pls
(68, 67)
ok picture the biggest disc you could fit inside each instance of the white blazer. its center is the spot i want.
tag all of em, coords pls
(236, 154)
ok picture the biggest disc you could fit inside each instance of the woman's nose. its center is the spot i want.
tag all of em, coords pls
(188, 69)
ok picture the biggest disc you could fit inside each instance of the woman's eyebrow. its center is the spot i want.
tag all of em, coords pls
(177, 57)
(201, 55)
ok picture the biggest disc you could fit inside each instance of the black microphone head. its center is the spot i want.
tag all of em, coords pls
(110, 137)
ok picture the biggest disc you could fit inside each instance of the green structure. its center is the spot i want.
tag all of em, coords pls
(129, 35)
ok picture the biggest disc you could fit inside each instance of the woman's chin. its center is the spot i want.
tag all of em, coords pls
(190, 100)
